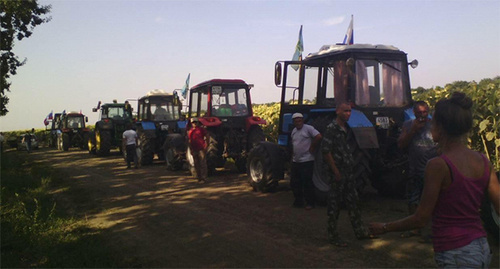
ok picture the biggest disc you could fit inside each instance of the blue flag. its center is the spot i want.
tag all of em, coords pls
(186, 87)
(349, 35)
(299, 48)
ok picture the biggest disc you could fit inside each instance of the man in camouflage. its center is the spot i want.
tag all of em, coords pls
(339, 165)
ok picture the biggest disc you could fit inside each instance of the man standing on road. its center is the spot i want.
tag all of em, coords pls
(129, 142)
(339, 165)
(416, 138)
(305, 140)
(198, 138)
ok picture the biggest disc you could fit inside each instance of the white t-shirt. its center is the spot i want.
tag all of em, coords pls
(130, 135)
(302, 140)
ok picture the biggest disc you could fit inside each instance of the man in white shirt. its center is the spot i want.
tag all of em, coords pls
(305, 140)
(129, 142)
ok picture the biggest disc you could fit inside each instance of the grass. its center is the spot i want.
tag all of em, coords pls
(34, 231)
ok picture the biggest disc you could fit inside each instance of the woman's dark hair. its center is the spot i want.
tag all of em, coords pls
(454, 114)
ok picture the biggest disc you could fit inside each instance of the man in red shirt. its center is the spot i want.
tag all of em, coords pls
(198, 138)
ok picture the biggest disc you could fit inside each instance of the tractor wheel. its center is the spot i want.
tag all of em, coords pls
(391, 179)
(241, 165)
(91, 143)
(490, 217)
(103, 142)
(255, 136)
(84, 144)
(174, 150)
(212, 154)
(259, 167)
(65, 142)
(146, 149)
(362, 159)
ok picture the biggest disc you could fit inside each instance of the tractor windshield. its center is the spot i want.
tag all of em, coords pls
(229, 101)
(115, 112)
(74, 122)
(380, 84)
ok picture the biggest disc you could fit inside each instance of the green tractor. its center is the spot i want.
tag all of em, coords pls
(107, 135)
(161, 129)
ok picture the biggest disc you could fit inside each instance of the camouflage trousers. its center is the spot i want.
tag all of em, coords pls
(344, 191)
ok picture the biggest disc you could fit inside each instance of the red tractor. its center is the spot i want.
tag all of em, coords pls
(224, 107)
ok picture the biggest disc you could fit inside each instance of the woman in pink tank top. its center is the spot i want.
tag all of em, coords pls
(455, 185)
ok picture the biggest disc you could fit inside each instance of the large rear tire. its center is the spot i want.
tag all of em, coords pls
(213, 157)
(146, 150)
(362, 159)
(259, 167)
(103, 142)
(65, 142)
(91, 143)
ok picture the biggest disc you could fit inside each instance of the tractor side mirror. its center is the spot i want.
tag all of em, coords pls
(277, 74)
(94, 109)
(86, 119)
(413, 64)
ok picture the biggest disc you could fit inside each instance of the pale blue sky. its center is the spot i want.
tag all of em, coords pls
(105, 50)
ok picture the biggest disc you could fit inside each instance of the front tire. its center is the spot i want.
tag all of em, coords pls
(65, 142)
(259, 167)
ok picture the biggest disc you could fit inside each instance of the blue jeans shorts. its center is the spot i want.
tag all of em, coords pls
(477, 254)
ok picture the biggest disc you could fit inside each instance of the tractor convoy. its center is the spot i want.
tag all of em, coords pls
(373, 79)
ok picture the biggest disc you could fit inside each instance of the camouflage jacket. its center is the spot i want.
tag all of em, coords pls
(335, 142)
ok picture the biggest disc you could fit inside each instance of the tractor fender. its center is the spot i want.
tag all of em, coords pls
(251, 121)
(409, 115)
(363, 130)
(210, 121)
(104, 125)
(148, 128)
(277, 159)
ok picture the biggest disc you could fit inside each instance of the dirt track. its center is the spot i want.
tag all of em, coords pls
(158, 218)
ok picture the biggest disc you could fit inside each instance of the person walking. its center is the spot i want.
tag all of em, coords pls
(27, 141)
(305, 141)
(339, 165)
(455, 185)
(198, 138)
(129, 143)
(416, 139)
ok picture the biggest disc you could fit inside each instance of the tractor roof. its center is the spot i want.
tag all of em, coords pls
(157, 93)
(219, 82)
(328, 50)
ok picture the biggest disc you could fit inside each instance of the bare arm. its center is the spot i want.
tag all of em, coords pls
(494, 190)
(435, 174)
(408, 133)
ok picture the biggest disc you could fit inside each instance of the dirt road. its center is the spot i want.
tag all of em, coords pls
(158, 218)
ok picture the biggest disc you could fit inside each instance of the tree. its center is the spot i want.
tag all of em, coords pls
(18, 19)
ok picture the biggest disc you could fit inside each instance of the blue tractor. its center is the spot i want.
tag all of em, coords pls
(374, 79)
(161, 129)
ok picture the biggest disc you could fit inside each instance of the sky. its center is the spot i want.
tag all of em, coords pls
(102, 50)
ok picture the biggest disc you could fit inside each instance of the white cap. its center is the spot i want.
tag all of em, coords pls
(297, 115)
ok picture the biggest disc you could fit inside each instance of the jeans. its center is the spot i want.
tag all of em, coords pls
(477, 254)
(131, 155)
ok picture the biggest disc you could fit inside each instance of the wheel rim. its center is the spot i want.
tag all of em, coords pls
(98, 140)
(256, 170)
